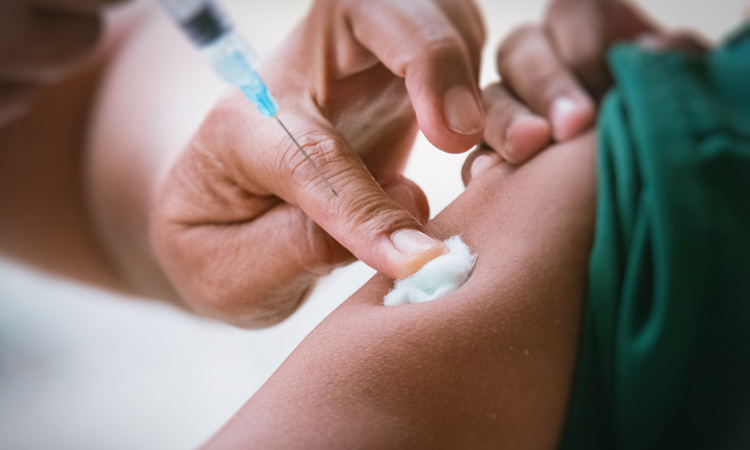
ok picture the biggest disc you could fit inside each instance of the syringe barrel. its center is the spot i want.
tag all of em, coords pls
(203, 21)
(235, 62)
(210, 29)
(232, 58)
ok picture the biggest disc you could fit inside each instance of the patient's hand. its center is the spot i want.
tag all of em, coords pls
(552, 76)
(243, 225)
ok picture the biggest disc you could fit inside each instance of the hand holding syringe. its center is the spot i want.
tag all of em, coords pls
(243, 225)
(211, 31)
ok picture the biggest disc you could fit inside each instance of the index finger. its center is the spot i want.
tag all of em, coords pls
(418, 41)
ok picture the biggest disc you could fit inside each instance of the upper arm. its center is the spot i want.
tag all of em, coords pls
(489, 364)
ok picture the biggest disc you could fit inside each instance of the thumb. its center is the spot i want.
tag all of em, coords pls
(360, 216)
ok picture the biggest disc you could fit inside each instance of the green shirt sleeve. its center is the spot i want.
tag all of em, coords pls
(664, 357)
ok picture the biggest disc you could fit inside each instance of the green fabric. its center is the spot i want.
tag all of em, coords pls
(664, 359)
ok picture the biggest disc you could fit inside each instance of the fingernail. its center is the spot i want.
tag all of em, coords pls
(418, 248)
(527, 135)
(568, 118)
(463, 113)
(481, 164)
(413, 241)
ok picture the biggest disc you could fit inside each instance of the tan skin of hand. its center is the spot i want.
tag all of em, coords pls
(238, 223)
(194, 236)
(244, 241)
(353, 96)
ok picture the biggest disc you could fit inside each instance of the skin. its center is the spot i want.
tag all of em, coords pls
(493, 335)
(43, 220)
(143, 216)
(173, 216)
(554, 75)
(47, 87)
(272, 188)
(487, 366)
(239, 183)
(146, 217)
(41, 43)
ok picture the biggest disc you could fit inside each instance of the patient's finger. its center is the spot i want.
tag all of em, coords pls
(530, 68)
(512, 129)
(479, 162)
(582, 30)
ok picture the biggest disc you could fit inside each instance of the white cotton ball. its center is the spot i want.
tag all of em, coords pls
(444, 274)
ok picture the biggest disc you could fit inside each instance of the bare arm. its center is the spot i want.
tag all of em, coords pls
(488, 365)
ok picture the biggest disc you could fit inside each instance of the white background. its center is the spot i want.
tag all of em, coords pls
(84, 369)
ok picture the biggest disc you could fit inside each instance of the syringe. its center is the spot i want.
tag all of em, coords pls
(210, 30)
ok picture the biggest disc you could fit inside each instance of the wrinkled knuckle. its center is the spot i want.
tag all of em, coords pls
(374, 214)
(291, 165)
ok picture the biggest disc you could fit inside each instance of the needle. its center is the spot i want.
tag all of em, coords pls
(307, 157)
(210, 30)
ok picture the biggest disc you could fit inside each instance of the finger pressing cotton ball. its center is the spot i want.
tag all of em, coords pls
(444, 274)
